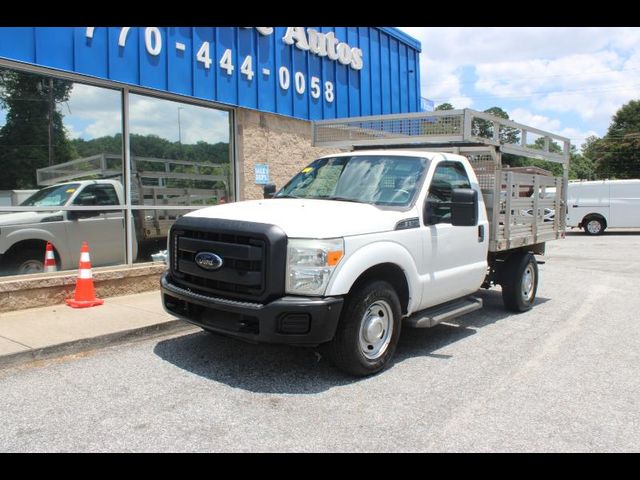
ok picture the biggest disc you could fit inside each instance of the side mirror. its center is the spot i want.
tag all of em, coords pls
(464, 207)
(269, 190)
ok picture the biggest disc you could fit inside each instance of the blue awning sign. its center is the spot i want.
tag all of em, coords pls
(309, 73)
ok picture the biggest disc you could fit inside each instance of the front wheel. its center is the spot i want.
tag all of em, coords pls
(28, 261)
(520, 282)
(368, 331)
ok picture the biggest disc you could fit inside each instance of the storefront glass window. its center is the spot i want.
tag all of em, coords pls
(62, 175)
(179, 153)
(179, 157)
(60, 149)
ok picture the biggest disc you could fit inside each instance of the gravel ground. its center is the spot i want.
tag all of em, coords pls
(563, 377)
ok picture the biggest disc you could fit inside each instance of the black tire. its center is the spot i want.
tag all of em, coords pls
(356, 349)
(519, 282)
(593, 226)
(27, 261)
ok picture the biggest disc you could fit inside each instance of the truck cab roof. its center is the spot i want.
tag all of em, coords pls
(396, 152)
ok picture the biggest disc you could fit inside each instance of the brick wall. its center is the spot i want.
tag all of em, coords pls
(280, 142)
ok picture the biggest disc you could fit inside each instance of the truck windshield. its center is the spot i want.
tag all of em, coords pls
(374, 179)
(55, 196)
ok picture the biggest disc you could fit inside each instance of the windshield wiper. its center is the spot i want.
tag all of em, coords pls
(344, 199)
(341, 199)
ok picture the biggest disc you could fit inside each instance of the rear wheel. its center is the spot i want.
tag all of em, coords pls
(368, 331)
(594, 226)
(520, 282)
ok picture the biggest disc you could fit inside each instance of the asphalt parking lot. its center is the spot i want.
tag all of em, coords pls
(564, 376)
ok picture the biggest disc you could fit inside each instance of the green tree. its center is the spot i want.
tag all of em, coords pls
(616, 154)
(96, 146)
(589, 146)
(581, 167)
(445, 106)
(33, 135)
(484, 128)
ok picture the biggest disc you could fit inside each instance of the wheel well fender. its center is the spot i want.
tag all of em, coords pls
(590, 216)
(33, 244)
(398, 268)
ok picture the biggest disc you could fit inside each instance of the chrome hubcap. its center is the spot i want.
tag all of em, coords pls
(528, 281)
(375, 330)
(594, 226)
(31, 266)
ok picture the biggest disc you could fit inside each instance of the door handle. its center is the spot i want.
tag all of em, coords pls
(480, 233)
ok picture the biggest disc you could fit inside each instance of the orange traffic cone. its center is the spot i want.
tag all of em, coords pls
(50, 260)
(85, 295)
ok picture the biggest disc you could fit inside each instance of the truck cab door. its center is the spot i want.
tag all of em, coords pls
(103, 230)
(455, 256)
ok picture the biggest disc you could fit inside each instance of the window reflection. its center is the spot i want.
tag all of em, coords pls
(60, 148)
(179, 153)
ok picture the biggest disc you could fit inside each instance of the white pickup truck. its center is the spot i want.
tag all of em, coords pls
(23, 235)
(358, 243)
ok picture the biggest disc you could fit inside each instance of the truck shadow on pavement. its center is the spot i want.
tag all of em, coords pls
(254, 367)
(606, 233)
(415, 342)
(283, 369)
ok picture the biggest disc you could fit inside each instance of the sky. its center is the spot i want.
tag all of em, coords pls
(95, 112)
(569, 81)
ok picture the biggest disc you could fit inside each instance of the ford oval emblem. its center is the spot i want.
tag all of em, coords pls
(208, 261)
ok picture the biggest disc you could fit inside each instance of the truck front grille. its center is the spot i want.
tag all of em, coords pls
(242, 271)
(251, 254)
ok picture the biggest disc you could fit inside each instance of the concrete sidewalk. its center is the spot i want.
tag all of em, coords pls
(48, 332)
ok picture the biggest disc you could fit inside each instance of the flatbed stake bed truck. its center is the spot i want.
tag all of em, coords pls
(403, 228)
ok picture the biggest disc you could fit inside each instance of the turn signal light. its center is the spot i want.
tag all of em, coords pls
(333, 257)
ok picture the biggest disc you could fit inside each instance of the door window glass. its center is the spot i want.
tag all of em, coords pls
(448, 175)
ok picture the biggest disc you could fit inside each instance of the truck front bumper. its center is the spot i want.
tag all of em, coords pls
(287, 320)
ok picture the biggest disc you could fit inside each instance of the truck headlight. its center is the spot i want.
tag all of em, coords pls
(310, 264)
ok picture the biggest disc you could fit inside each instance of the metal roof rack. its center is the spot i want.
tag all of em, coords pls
(482, 138)
(445, 127)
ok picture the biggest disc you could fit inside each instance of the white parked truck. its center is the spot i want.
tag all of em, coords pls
(600, 204)
(404, 228)
(23, 235)
(94, 211)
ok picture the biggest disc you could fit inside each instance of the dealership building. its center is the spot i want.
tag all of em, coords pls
(108, 134)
